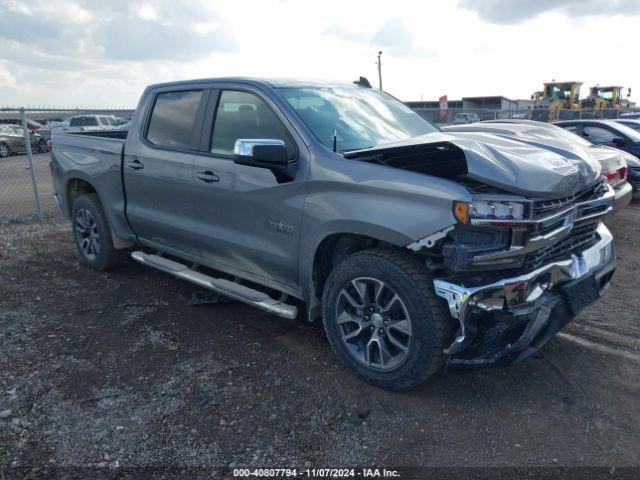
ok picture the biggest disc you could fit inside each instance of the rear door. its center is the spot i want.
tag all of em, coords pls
(247, 221)
(158, 164)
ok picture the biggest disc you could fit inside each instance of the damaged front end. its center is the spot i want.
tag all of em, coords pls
(512, 284)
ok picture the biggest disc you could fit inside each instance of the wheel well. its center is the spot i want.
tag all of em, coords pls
(335, 248)
(75, 188)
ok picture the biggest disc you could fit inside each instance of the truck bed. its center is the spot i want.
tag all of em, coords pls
(121, 134)
(97, 157)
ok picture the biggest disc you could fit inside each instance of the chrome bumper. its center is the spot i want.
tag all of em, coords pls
(525, 289)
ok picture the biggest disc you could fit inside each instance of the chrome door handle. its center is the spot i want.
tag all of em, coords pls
(208, 176)
(135, 164)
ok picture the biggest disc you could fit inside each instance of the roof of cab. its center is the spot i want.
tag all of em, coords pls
(265, 82)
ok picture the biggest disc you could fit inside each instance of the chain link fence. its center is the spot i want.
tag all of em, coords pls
(26, 187)
(468, 115)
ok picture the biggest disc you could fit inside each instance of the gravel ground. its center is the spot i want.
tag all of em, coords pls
(116, 370)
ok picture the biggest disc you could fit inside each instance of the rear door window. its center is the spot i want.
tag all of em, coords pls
(174, 118)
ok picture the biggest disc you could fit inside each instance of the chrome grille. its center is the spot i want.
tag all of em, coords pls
(581, 237)
(542, 208)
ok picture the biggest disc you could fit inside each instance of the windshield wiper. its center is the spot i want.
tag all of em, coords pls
(347, 150)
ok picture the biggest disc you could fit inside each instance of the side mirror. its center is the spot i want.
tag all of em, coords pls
(265, 153)
(619, 142)
(260, 152)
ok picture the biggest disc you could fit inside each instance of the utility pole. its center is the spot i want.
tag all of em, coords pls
(379, 70)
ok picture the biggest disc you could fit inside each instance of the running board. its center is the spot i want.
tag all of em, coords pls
(220, 285)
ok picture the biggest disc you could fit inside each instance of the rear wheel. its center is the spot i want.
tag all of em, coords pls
(4, 150)
(92, 234)
(383, 320)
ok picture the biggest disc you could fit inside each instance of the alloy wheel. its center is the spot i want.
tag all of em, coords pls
(88, 236)
(374, 323)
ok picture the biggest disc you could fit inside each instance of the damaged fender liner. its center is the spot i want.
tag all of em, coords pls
(440, 159)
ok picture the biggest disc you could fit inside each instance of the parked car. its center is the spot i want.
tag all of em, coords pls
(633, 175)
(12, 141)
(461, 118)
(47, 130)
(32, 125)
(613, 162)
(394, 233)
(87, 123)
(606, 132)
(613, 134)
(631, 115)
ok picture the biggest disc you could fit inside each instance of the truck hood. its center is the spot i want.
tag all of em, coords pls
(517, 165)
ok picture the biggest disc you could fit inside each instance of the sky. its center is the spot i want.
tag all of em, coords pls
(104, 52)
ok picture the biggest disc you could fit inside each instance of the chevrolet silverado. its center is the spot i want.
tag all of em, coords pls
(417, 248)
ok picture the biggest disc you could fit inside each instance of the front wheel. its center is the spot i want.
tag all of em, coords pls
(4, 150)
(383, 319)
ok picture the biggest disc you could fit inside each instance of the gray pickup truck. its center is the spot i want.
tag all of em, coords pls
(417, 248)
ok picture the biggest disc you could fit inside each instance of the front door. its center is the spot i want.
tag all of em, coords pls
(246, 220)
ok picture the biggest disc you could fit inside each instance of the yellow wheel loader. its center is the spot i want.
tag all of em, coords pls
(603, 102)
(556, 97)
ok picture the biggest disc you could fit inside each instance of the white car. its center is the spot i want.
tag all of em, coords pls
(87, 123)
(462, 118)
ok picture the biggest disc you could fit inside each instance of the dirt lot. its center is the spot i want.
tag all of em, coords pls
(116, 370)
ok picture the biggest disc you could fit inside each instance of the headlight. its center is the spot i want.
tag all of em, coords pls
(487, 209)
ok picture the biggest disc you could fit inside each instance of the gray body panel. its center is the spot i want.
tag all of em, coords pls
(249, 225)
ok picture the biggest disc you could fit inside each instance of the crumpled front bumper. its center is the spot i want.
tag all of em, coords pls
(543, 301)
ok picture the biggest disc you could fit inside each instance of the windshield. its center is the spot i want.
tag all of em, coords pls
(633, 135)
(360, 118)
(634, 126)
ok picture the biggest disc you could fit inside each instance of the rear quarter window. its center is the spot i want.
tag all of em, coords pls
(173, 119)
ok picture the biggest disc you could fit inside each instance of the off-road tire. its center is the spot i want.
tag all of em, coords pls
(430, 318)
(108, 257)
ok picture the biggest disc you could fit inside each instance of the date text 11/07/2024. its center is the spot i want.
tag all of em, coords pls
(316, 473)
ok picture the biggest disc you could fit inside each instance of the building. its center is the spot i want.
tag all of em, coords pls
(486, 107)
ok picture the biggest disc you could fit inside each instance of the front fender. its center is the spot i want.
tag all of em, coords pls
(388, 204)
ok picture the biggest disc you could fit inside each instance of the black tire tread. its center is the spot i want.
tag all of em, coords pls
(413, 267)
(8, 149)
(111, 257)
